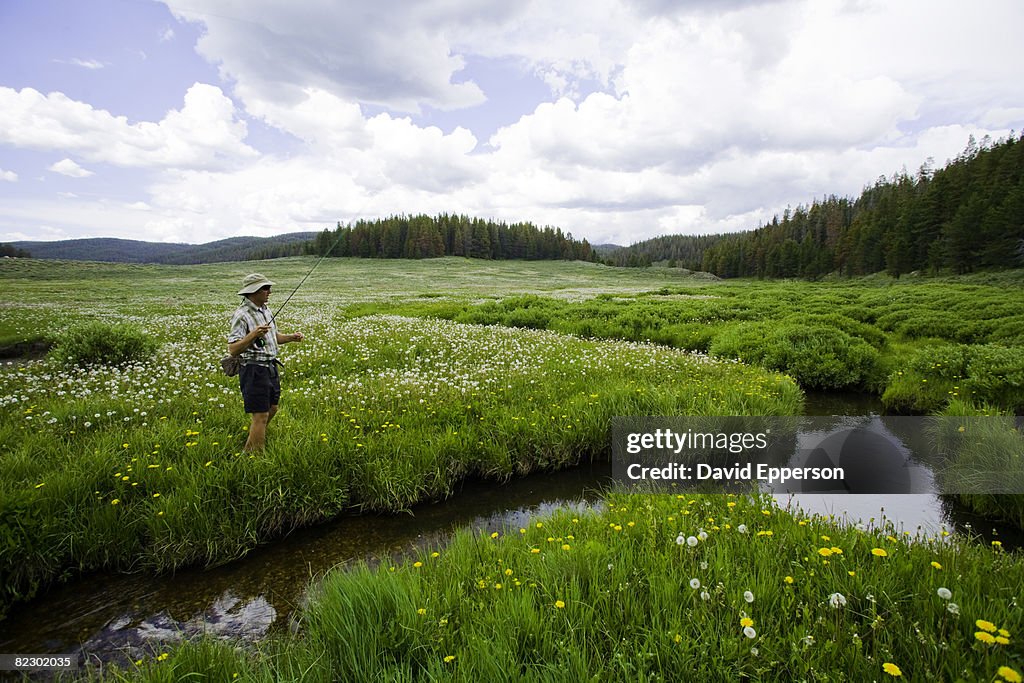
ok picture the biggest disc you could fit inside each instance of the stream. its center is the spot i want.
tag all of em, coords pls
(106, 617)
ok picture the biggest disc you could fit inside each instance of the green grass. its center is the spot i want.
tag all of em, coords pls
(412, 379)
(137, 466)
(619, 594)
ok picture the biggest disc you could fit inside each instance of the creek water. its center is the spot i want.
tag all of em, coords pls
(115, 617)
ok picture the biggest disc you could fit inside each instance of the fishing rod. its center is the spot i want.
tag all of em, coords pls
(273, 317)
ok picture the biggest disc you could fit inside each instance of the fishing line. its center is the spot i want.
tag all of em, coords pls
(273, 318)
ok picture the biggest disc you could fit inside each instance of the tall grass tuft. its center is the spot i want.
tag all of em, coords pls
(99, 343)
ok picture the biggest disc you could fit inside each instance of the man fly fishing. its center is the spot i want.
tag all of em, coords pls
(255, 339)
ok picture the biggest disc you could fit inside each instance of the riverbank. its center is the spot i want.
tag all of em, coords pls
(663, 587)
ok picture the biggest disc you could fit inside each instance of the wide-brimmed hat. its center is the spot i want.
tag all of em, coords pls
(253, 282)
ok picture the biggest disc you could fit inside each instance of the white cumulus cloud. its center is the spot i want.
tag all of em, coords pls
(657, 116)
(70, 169)
(204, 133)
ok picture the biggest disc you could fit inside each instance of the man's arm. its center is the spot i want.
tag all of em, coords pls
(285, 338)
(236, 347)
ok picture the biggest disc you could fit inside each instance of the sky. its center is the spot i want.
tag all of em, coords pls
(614, 120)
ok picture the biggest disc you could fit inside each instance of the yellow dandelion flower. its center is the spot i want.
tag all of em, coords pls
(421, 611)
(535, 551)
(892, 670)
(559, 604)
(746, 621)
(824, 552)
(936, 565)
(1010, 675)
(1004, 633)
(984, 637)
(985, 625)
(1002, 640)
(788, 579)
(116, 501)
(435, 554)
(879, 552)
(678, 638)
(417, 564)
(449, 659)
(565, 546)
(494, 535)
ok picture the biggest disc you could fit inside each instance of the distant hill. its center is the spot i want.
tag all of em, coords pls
(135, 251)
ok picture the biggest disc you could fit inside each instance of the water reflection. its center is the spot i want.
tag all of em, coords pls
(123, 617)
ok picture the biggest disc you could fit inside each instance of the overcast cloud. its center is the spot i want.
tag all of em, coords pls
(626, 120)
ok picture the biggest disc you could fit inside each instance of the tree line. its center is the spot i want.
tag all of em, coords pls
(14, 252)
(966, 216)
(422, 236)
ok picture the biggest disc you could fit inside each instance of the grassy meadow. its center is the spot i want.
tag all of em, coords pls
(418, 374)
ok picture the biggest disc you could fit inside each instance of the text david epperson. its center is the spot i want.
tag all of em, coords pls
(736, 442)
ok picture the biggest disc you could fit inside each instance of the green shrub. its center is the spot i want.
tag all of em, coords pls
(816, 356)
(855, 328)
(995, 374)
(989, 373)
(931, 377)
(98, 343)
(1008, 331)
(930, 324)
(691, 336)
(743, 341)
(533, 318)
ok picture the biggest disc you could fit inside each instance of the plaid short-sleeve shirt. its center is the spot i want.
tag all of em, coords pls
(248, 317)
